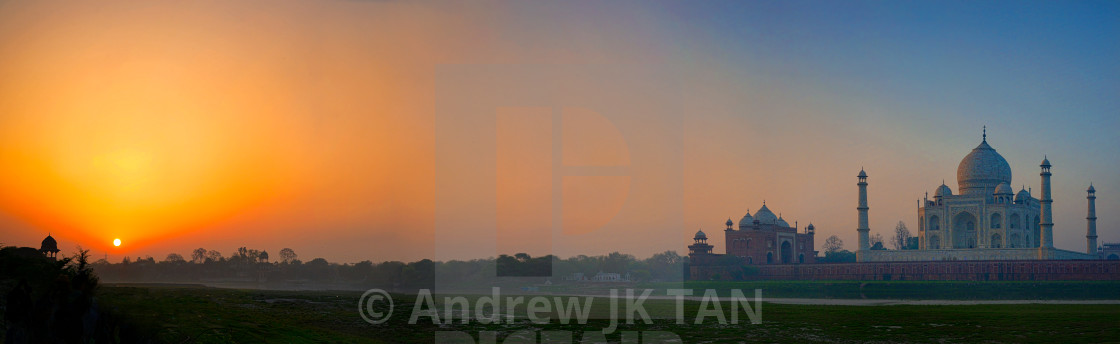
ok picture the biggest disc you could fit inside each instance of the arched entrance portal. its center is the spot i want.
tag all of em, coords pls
(964, 230)
(787, 252)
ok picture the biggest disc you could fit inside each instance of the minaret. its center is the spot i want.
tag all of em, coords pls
(1091, 222)
(1047, 222)
(863, 229)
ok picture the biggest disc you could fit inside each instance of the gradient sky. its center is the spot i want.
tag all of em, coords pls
(312, 124)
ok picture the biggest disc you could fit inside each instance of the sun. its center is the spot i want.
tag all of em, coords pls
(117, 242)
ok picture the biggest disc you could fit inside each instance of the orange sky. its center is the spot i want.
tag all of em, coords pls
(311, 125)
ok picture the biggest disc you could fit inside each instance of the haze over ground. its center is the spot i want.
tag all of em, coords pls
(312, 125)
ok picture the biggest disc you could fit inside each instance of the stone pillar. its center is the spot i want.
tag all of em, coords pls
(863, 228)
(1047, 225)
(1091, 222)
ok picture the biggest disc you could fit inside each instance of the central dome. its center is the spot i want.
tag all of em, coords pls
(765, 216)
(982, 170)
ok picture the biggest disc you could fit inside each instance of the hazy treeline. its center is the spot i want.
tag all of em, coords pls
(255, 266)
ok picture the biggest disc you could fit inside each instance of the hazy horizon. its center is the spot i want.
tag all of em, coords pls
(313, 125)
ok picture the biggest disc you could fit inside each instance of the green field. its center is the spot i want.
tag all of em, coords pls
(917, 290)
(176, 314)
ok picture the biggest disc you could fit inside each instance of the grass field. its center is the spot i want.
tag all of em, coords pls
(917, 290)
(177, 314)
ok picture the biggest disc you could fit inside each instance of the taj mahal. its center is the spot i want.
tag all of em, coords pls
(984, 220)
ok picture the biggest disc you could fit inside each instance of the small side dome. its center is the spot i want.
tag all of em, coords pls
(781, 222)
(729, 223)
(943, 191)
(746, 221)
(700, 235)
(862, 174)
(1023, 195)
(1091, 189)
(810, 227)
(1003, 189)
(1045, 161)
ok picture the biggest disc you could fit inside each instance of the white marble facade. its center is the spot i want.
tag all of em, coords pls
(986, 213)
(984, 220)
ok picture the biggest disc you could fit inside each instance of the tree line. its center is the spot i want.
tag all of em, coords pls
(255, 266)
(834, 251)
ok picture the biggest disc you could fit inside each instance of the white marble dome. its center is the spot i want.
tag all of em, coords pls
(943, 191)
(1003, 189)
(982, 169)
(1022, 196)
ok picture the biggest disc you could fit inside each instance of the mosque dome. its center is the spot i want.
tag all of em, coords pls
(765, 216)
(49, 245)
(700, 235)
(747, 220)
(782, 222)
(943, 191)
(1003, 189)
(1022, 196)
(982, 169)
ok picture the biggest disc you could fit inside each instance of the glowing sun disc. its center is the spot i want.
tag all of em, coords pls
(116, 242)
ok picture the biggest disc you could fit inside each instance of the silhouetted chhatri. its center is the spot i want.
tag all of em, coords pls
(49, 247)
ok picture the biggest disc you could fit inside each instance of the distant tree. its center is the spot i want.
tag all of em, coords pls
(524, 257)
(833, 244)
(287, 255)
(876, 240)
(253, 256)
(198, 255)
(841, 256)
(263, 256)
(126, 260)
(174, 258)
(901, 235)
(214, 256)
(666, 265)
(616, 262)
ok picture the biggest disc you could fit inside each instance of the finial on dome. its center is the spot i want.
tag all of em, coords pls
(985, 134)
